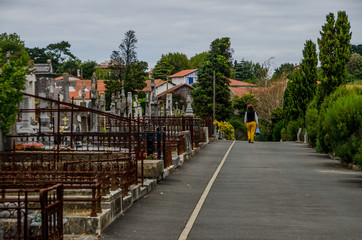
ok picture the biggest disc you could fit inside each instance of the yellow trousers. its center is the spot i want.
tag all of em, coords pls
(251, 126)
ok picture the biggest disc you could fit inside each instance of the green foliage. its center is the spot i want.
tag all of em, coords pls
(240, 129)
(277, 115)
(218, 60)
(277, 135)
(197, 60)
(356, 49)
(324, 143)
(12, 81)
(343, 126)
(334, 47)
(284, 134)
(170, 64)
(126, 68)
(248, 71)
(311, 123)
(301, 87)
(241, 103)
(227, 128)
(292, 130)
(88, 68)
(283, 68)
(13, 44)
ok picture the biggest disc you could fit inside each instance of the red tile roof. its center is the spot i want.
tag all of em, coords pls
(158, 82)
(174, 88)
(240, 91)
(183, 73)
(234, 82)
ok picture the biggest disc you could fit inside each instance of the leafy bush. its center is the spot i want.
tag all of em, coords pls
(277, 131)
(283, 134)
(227, 128)
(342, 125)
(323, 137)
(311, 122)
(292, 130)
(240, 129)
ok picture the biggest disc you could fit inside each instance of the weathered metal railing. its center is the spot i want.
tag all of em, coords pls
(31, 214)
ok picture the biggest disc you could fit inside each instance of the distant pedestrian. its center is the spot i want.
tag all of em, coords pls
(251, 122)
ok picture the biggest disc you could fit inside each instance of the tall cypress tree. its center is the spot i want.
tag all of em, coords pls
(218, 59)
(301, 89)
(334, 53)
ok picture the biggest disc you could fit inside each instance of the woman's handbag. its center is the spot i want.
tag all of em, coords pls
(257, 131)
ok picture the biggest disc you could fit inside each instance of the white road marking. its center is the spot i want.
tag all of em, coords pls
(198, 207)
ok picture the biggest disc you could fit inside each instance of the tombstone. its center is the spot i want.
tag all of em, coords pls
(123, 111)
(66, 87)
(25, 125)
(113, 104)
(154, 101)
(189, 111)
(44, 119)
(83, 118)
(102, 107)
(135, 106)
(147, 106)
(118, 103)
(129, 104)
(169, 104)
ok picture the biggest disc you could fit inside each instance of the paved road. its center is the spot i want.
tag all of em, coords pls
(263, 191)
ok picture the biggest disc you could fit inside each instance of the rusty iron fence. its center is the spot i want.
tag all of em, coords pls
(99, 155)
(31, 213)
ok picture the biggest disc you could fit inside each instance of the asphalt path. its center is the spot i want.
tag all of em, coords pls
(262, 191)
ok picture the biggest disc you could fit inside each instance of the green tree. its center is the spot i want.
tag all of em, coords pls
(170, 64)
(241, 103)
(88, 68)
(302, 85)
(197, 60)
(218, 60)
(356, 49)
(284, 68)
(12, 43)
(163, 69)
(334, 53)
(126, 68)
(12, 82)
(244, 71)
(39, 55)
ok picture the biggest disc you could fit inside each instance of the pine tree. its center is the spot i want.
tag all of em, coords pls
(218, 59)
(334, 47)
(301, 89)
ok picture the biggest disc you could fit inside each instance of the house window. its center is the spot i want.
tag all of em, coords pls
(191, 80)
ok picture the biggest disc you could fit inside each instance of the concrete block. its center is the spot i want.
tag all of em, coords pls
(151, 168)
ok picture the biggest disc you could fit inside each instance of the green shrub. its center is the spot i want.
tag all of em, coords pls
(323, 137)
(342, 125)
(311, 122)
(240, 129)
(227, 128)
(292, 130)
(283, 134)
(277, 131)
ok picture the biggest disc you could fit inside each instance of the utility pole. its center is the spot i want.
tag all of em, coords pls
(213, 100)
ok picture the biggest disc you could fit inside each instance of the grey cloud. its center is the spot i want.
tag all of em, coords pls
(258, 29)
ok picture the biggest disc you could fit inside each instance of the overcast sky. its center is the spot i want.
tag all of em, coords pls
(258, 29)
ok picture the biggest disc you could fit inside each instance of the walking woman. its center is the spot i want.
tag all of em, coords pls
(251, 122)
